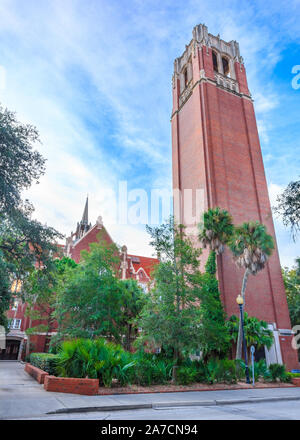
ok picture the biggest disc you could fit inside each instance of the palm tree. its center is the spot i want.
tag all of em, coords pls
(216, 230)
(256, 331)
(251, 246)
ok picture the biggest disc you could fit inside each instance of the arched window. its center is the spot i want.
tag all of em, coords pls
(215, 61)
(225, 64)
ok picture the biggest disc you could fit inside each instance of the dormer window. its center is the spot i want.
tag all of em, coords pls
(225, 64)
(215, 61)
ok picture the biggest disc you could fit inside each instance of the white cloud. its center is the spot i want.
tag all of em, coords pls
(274, 191)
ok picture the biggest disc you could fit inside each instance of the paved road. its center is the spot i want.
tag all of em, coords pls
(21, 397)
(257, 411)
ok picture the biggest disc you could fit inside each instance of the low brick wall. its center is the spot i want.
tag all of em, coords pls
(35, 372)
(87, 387)
(296, 381)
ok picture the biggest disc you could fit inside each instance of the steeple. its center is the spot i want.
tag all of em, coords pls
(85, 216)
(83, 227)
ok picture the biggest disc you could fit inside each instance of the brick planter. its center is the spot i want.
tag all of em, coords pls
(87, 387)
(296, 381)
(36, 373)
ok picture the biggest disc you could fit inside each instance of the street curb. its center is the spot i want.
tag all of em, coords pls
(257, 400)
(178, 404)
(173, 404)
(101, 408)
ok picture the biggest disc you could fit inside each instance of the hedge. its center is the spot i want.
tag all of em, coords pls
(45, 361)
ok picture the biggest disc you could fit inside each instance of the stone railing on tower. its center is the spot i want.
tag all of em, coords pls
(186, 93)
(226, 82)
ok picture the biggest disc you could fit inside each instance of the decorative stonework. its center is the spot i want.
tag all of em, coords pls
(201, 37)
(231, 48)
(99, 221)
(226, 82)
(202, 74)
(186, 93)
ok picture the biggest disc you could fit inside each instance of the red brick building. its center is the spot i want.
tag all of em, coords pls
(216, 149)
(131, 266)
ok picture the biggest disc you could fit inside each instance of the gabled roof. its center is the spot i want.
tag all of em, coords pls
(137, 261)
(90, 237)
(147, 263)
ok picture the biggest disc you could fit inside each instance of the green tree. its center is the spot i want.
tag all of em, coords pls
(256, 331)
(20, 165)
(288, 207)
(251, 246)
(213, 331)
(89, 302)
(216, 230)
(39, 294)
(133, 301)
(5, 293)
(291, 279)
(23, 241)
(171, 317)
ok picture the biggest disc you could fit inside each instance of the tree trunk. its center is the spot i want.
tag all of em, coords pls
(128, 342)
(239, 345)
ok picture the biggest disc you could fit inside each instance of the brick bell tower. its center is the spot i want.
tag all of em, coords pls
(215, 148)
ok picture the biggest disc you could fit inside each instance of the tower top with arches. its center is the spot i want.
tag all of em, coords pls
(221, 62)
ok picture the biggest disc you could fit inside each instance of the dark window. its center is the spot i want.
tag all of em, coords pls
(225, 66)
(215, 61)
(185, 78)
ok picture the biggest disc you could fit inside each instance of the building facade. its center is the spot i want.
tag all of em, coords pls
(131, 266)
(216, 151)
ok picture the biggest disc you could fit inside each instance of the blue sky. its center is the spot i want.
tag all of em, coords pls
(95, 77)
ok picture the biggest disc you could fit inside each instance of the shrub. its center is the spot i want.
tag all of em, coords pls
(215, 371)
(125, 369)
(269, 374)
(260, 371)
(290, 376)
(95, 359)
(222, 370)
(278, 371)
(152, 371)
(55, 344)
(186, 375)
(202, 374)
(240, 369)
(45, 361)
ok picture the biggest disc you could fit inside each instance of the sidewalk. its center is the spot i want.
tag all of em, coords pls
(22, 396)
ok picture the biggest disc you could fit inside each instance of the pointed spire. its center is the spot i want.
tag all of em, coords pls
(85, 216)
(83, 227)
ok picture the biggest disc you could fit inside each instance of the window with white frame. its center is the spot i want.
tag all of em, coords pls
(15, 324)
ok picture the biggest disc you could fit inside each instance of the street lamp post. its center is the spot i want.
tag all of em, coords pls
(240, 302)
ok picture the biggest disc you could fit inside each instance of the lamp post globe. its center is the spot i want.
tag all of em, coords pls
(239, 300)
